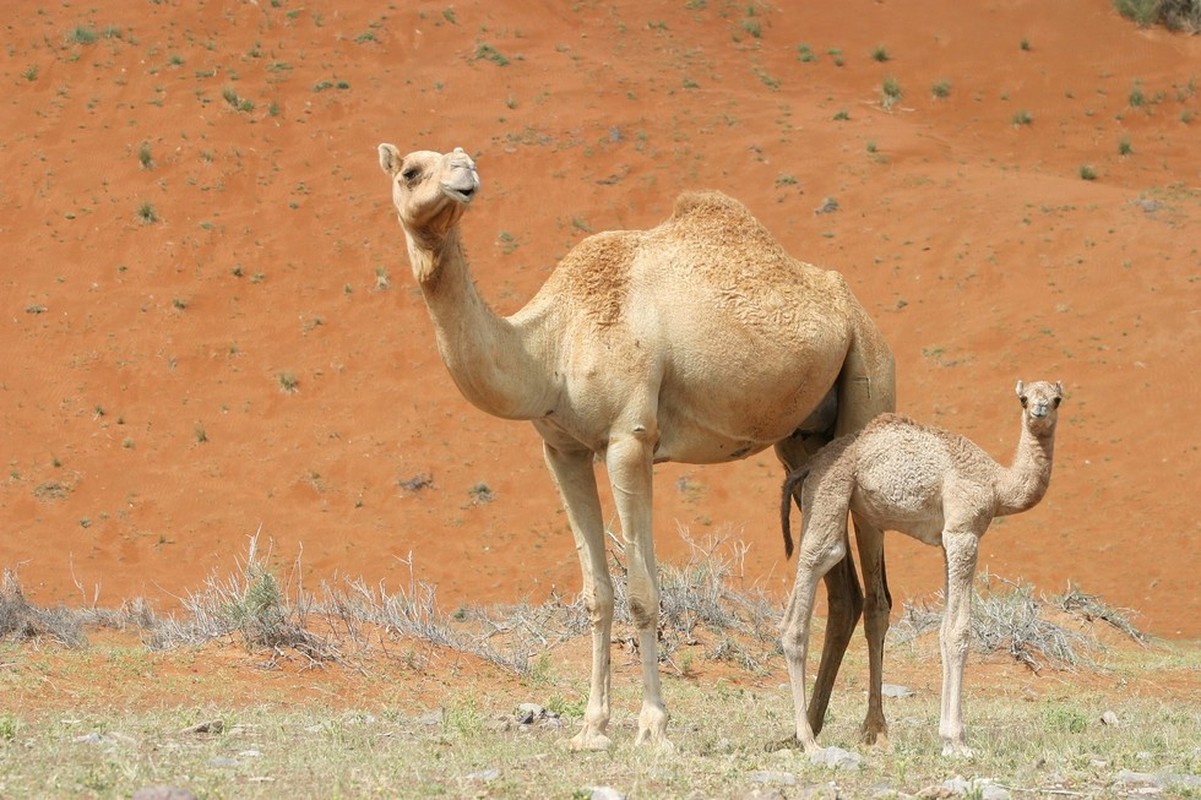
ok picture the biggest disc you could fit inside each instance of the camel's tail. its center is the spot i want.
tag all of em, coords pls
(791, 482)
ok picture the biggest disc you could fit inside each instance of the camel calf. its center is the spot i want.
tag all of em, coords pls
(923, 481)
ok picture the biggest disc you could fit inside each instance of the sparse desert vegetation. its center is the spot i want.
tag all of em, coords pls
(720, 658)
(145, 436)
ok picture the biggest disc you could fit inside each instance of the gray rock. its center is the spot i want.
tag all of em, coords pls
(978, 787)
(534, 714)
(484, 775)
(1176, 781)
(770, 776)
(821, 791)
(223, 761)
(89, 738)
(1132, 778)
(764, 794)
(837, 758)
(990, 791)
(1109, 718)
(894, 690)
(208, 726)
(529, 713)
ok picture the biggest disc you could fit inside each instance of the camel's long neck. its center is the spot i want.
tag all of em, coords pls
(1025, 481)
(493, 362)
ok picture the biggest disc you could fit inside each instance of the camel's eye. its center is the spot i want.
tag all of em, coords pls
(410, 174)
(1055, 402)
(1023, 398)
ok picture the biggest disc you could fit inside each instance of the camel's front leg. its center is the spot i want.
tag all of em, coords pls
(960, 549)
(574, 475)
(629, 463)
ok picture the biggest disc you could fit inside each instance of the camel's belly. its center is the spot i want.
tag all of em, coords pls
(706, 448)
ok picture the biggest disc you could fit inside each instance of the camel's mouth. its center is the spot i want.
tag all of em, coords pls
(462, 182)
(463, 194)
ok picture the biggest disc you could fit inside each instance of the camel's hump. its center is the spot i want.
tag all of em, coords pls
(706, 201)
(711, 216)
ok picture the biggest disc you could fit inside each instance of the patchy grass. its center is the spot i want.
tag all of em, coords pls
(373, 688)
(890, 93)
(486, 52)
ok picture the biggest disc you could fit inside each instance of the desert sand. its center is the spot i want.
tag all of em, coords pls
(210, 328)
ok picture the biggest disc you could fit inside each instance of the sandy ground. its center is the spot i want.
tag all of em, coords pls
(144, 415)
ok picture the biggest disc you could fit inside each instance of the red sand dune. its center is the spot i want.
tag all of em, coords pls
(145, 425)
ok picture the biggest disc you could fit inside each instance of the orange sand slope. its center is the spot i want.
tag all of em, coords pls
(210, 328)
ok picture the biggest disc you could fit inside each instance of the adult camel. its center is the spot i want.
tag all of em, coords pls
(700, 341)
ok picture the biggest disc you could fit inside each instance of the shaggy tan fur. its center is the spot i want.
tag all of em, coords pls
(933, 485)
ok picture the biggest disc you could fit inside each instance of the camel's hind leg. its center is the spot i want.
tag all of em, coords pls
(822, 547)
(877, 606)
(866, 388)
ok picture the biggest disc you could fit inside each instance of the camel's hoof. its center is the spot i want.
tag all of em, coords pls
(658, 742)
(874, 735)
(588, 742)
(957, 750)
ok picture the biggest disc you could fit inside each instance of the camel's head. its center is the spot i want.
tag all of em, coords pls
(1040, 404)
(430, 190)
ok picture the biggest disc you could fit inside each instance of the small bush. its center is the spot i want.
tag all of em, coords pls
(1022, 117)
(487, 52)
(1137, 98)
(880, 54)
(941, 89)
(8, 728)
(147, 214)
(1087, 172)
(1176, 15)
(82, 34)
(891, 92)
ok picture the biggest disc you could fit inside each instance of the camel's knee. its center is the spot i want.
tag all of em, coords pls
(644, 609)
(876, 612)
(794, 639)
(598, 600)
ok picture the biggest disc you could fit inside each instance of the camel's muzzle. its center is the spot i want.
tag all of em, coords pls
(462, 181)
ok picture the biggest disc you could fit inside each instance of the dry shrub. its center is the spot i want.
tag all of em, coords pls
(1010, 619)
(21, 622)
(1176, 15)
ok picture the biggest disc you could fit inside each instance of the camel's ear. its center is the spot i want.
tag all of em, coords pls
(389, 158)
(1059, 387)
(1016, 390)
